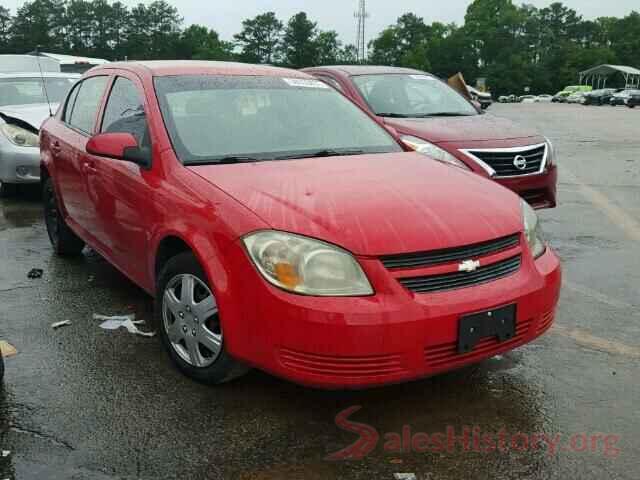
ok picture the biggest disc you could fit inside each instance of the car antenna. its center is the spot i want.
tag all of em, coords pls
(44, 84)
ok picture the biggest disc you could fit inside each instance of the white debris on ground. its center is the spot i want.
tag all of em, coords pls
(6, 453)
(122, 321)
(64, 323)
(7, 349)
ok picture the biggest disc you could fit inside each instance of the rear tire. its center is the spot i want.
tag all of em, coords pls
(64, 241)
(187, 317)
(7, 190)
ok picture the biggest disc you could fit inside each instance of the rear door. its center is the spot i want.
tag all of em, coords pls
(125, 194)
(69, 151)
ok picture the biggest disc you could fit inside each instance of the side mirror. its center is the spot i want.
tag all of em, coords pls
(121, 146)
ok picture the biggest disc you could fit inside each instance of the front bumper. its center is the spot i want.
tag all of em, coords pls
(538, 190)
(18, 164)
(393, 336)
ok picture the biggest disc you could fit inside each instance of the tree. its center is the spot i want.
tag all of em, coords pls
(5, 29)
(299, 47)
(78, 21)
(259, 38)
(200, 43)
(328, 48)
(153, 31)
(39, 23)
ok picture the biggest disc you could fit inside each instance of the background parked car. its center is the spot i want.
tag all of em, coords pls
(598, 97)
(23, 108)
(527, 99)
(576, 97)
(544, 98)
(434, 119)
(484, 98)
(621, 97)
(633, 100)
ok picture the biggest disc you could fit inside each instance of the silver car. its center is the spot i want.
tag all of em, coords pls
(23, 108)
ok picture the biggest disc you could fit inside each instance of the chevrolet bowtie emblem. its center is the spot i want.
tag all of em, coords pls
(469, 266)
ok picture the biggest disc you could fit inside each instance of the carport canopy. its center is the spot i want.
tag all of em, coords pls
(597, 76)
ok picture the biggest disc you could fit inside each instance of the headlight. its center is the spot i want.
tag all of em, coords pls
(429, 149)
(306, 266)
(19, 136)
(532, 230)
(551, 153)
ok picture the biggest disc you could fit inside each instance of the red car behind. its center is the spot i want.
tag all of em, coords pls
(278, 226)
(434, 119)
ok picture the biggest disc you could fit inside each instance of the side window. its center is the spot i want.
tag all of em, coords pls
(87, 103)
(125, 112)
(332, 82)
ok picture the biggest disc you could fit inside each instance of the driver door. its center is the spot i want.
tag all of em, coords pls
(124, 190)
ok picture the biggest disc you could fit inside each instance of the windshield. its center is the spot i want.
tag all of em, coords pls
(28, 91)
(220, 119)
(408, 96)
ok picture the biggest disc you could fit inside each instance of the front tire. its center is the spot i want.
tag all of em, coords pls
(188, 319)
(63, 240)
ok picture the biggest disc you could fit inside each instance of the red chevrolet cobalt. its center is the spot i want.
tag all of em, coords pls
(278, 226)
(434, 119)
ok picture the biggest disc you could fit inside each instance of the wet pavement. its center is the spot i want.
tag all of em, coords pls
(83, 403)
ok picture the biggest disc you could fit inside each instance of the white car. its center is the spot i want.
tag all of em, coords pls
(23, 108)
(577, 97)
(544, 98)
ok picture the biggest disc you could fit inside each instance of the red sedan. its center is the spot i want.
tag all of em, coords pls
(434, 119)
(278, 226)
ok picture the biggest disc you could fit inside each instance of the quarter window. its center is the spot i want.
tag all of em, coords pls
(87, 103)
(125, 112)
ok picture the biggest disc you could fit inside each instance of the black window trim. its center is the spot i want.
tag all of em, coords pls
(100, 104)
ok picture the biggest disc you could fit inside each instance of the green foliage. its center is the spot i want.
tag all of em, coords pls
(259, 38)
(299, 46)
(512, 45)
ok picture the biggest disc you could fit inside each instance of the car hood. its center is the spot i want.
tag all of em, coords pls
(372, 204)
(451, 129)
(34, 115)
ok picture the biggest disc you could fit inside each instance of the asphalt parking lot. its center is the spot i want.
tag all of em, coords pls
(81, 402)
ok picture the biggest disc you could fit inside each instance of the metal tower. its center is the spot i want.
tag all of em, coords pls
(361, 45)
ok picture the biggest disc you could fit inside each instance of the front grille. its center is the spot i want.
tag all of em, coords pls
(503, 161)
(315, 364)
(452, 281)
(545, 322)
(446, 355)
(446, 255)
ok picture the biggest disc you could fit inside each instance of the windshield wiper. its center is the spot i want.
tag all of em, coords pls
(394, 115)
(441, 114)
(230, 159)
(328, 152)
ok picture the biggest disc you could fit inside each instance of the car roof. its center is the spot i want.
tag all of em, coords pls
(161, 68)
(354, 70)
(38, 74)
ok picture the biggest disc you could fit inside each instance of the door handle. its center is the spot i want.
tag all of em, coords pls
(88, 168)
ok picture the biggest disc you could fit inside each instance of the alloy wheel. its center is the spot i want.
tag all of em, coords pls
(191, 320)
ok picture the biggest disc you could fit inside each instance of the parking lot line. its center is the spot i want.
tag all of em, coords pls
(616, 214)
(585, 339)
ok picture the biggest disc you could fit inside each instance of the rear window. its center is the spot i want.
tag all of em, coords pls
(267, 118)
(29, 91)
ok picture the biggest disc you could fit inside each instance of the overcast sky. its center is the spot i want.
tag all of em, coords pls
(226, 16)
